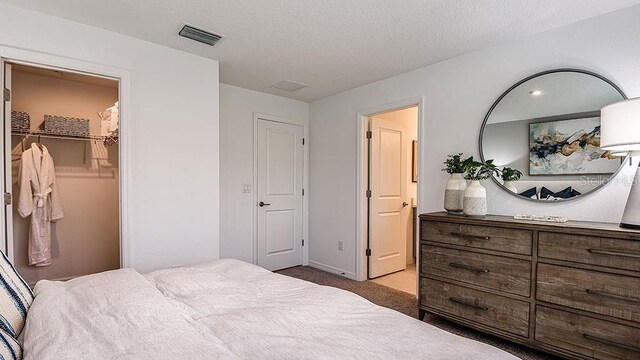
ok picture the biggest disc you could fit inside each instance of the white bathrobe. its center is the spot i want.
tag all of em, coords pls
(39, 198)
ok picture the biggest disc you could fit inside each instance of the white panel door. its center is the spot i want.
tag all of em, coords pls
(388, 209)
(7, 212)
(279, 192)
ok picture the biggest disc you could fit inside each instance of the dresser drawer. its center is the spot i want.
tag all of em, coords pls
(602, 293)
(484, 308)
(481, 237)
(587, 336)
(615, 253)
(495, 272)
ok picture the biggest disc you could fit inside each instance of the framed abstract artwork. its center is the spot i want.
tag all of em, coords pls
(569, 147)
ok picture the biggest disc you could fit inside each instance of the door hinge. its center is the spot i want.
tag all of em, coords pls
(302, 242)
(302, 192)
(7, 94)
(368, 193)
(302, 141)
(7, 198)
(368, 252)
(369, 134)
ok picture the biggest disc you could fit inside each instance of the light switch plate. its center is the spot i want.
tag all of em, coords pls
(246, 188)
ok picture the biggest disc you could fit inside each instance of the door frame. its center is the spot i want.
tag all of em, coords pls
(362, 176)
(47, 61)
(305, 183)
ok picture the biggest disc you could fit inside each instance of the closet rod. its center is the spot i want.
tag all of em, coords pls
(62, 137)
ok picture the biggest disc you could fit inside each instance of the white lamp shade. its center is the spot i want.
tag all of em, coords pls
(620, 126)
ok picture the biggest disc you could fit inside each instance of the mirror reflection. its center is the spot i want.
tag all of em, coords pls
(548, 128)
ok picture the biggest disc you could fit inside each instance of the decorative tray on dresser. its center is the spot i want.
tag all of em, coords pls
(571, 289)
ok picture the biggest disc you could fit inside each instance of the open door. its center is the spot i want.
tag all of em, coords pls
(7, 213)
(388, 205)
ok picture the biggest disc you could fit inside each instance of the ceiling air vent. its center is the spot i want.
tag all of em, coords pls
(288, 85)
(199, 35)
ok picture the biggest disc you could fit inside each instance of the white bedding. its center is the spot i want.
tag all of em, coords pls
(225, 309)
(112, 315)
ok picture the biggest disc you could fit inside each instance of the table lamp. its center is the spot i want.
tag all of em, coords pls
(620, 134)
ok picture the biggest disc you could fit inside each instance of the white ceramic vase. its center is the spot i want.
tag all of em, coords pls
(454, 193)
(475, 199)
(509, 185)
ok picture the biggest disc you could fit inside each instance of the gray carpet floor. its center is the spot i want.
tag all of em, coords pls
(407, 304)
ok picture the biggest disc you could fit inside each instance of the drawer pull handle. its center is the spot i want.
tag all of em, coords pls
(467, 303)
(470, 268)
(613, 296)
(609, 342)
(471, 237)
(614, 253)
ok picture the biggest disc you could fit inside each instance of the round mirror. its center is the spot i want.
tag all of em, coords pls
(547, 127)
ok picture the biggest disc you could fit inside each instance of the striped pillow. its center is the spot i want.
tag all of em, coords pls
(15, 299)
(9, 347)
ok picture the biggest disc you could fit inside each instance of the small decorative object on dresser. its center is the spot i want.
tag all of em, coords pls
(475, 195)
(571, 289)
(455, 166)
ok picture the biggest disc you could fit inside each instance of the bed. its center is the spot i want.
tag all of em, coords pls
(226, 309)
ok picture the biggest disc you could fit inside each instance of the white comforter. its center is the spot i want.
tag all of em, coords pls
(225, 309)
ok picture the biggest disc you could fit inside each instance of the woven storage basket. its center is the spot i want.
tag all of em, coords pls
(20, 121)
(59, 125)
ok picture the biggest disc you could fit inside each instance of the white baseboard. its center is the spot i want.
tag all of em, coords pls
(332, 269)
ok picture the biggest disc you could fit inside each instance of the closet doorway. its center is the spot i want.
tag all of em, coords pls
(61, 221)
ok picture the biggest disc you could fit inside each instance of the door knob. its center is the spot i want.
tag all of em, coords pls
(262, 203)
(404, 204)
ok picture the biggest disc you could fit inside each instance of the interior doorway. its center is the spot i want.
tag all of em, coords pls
(72, 119)
(280, 193)
(392, 159)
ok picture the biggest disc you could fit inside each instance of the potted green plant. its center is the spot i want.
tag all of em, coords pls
(475, 195)
(509, 175)
(455, 165)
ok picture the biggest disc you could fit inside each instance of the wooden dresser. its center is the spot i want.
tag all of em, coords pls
(571, 289)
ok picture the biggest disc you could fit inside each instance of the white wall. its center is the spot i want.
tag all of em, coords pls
(458, 94)
(237, 106)
(173, 183)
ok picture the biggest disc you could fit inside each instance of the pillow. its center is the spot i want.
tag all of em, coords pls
(545, 193)
(9, 347)
(529, 193)
(15, 299)
(562, 194)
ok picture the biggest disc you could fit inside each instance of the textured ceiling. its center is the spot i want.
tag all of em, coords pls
(331, 45)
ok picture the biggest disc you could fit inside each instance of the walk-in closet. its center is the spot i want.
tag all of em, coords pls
(64, 176)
